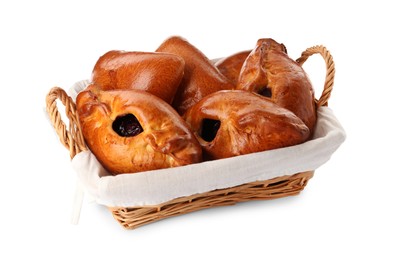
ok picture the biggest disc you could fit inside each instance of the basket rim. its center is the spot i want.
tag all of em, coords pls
(133, 217)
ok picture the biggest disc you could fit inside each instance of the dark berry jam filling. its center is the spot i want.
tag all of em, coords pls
(127, 126)
(209, 129)
(265, 91)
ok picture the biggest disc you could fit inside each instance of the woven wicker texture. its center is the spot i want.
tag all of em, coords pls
(330, 71)
(133, 217)
(279, 187)
(72, 137)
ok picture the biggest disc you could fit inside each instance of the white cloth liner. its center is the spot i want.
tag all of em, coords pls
(159, 186)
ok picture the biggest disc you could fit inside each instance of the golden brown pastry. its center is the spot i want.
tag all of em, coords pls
(235, 122)
(131, 131)
(269, 72)
(230, 66)
(201, 77)
(157, 73)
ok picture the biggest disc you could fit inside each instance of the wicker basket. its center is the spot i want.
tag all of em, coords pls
(132, 217)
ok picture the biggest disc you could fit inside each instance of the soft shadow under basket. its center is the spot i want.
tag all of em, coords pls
(132, 217)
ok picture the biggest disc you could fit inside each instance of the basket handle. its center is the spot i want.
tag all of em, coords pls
(72, 137)
(330, 71)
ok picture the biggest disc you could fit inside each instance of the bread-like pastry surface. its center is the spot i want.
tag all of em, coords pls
(201, 77)
(131, 131)
(235, 122)
(231, 66)
(157, 73)
(271, 73)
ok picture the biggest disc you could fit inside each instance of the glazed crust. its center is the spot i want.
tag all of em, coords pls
(251, 101)
(248, 123)
(166, 141)
(231, 66)
(270, 72)
(201, 77)
(157, 73)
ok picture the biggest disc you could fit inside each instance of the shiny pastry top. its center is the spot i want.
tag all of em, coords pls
(231, 66)
(201, 77)
(152, 110)
(131, 131)
(269, 72)
(157, 73)
(235, 122)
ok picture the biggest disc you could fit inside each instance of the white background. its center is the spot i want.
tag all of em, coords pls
(345, 212)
